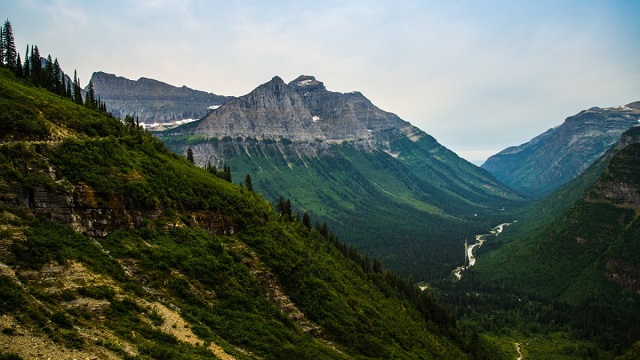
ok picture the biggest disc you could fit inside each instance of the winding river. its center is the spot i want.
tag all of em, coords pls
(480, 239)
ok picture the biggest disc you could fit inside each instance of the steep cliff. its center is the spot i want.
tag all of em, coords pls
(271, 111)
(560, 154)
(152, 101)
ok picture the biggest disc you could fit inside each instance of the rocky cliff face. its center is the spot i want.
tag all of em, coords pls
(152, 101)
(301, 111)
(79, 207)
(619, 185)
(272, 111)
(560, 154)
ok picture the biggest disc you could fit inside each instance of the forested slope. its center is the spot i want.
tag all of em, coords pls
(382, 184)
(112, 246)
(567, 271)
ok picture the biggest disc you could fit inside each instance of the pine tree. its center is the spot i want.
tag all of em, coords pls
(287, 208)
(306, 220)
(19, 72)
(58, 86)
(190, 156)
(1, 45)
(36, 66)
(377, 265)
(90, 100)
(77, 91)
(280, 207)
(248, 183)
(226, 173)
(211, 169)
(10, 53)
(48, 74)
(26, 68)
(67, 92)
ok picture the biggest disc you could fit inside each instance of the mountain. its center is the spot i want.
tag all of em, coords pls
(152, 101)
(113, 247)
(553, 158)
(577, 252)
(382, 184)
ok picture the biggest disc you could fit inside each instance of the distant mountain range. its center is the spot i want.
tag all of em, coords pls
(380, 182)
(156, 104)
(560, 154)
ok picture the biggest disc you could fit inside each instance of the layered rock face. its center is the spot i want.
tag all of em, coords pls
(81, 208)
(152, 101)
(301, 111)
(619, 185)
(271, 111)
(553, 158)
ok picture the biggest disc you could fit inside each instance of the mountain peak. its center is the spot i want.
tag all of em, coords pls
(152, 101)
(634, 105)
(308, 82)
(276, 79)
(563, 152)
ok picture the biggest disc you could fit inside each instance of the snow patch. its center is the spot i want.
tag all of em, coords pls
(183, 121)
(621, 108)
(213, 107)
(152, 125)
(395, 155)
(306, 82)
(315, 118)
(157, 125)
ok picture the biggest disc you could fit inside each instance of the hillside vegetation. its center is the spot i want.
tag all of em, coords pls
(112, 246)
(382, 184)
(567, 272)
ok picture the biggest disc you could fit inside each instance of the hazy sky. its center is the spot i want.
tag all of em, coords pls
(477, 75)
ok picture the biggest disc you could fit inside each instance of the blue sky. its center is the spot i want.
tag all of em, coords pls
(477, 75)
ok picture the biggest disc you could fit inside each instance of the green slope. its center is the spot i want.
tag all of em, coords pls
(570, 263)
(382, 184)
(557, 230)
(168, 261)
(412, 217)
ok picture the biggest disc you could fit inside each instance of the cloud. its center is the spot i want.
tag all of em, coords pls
(477, 75)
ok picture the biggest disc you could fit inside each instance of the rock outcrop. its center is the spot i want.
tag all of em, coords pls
(272, 111)
(619, 185)
(81, 208)
(152, 101)
(303, 111)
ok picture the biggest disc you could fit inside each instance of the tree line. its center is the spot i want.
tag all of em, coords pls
(44, 72)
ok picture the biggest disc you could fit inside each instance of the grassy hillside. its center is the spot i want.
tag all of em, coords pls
(411, 214)
(112, 246)
(568, 269)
